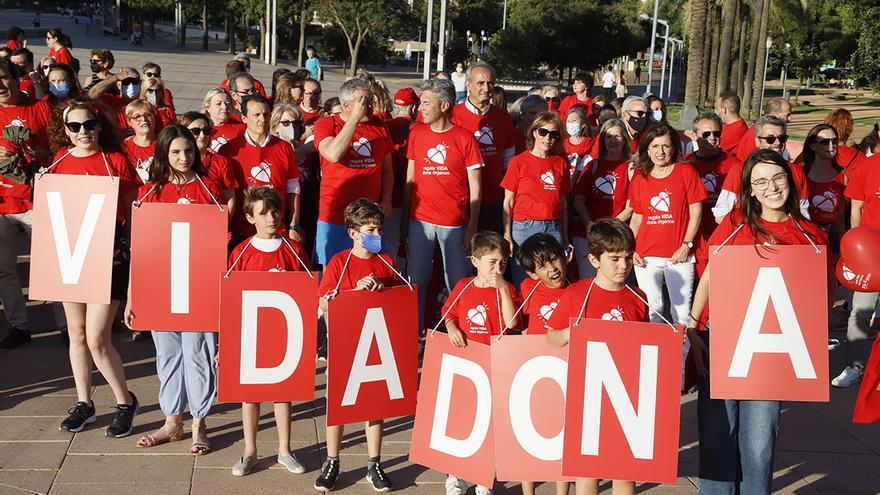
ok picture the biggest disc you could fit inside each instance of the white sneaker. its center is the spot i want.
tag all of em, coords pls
(455, 486)
(482, 490)
(848, 377)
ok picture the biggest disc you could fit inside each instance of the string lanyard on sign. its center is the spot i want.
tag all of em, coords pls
(332, 293)
(520, 308)
(44, 170)
(238, 258)
(214, 199)
(454, 301)
(640, 298)
(796, 224)
(301, 262)
(251, 242)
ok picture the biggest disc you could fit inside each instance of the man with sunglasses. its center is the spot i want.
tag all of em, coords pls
(241, 86)
(128, 82)
(770, 134)
(777, 107)
(151, 70)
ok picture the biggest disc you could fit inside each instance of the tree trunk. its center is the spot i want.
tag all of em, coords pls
(759, 61)
(741, 65)
(724, 50)
(204, 24)
(797, 93)
(354, 53)
(707, 54)
(695, 52)
(262, 36)
(302, 36)
(753, 57)
(713, 91)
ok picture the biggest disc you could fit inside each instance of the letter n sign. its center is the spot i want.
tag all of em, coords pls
(769, 323)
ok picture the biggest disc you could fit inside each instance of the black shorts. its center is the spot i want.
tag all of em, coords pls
(119, 280)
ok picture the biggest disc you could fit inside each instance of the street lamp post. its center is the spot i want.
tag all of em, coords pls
(673, 42)
(653, 37)
(504, 16)
(665, 44)
(482, 40)
(441, 42)
(418, 52)
(428, 30)
(785, 72)
(764, 81)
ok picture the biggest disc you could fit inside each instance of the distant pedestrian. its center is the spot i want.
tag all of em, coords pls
(459, 79)
(313, 64)
(608, 82)
(638, 74)
(620, 90)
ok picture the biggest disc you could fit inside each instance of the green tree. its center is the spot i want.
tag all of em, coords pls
(360, 20)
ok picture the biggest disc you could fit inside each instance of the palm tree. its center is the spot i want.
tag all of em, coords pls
(757, 8)
(696, 46)
(715, 23)
(762, 53)
(726, 42)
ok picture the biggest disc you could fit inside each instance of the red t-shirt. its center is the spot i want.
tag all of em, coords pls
(713, 171)
(572, 101)
(604, 184)
(538, 186)
(746, 145)
(864, 185)
(61, 55)
(621, 305)
(140, 157)
(191, 193)
(116, 105)
(116, 164)
(310, 117)
(848, 157)
(478, 311)
(26, 87)
(441, 195)
(495, 135)
(12, 45)
(357, 269)
(663, 204)
(577, 154)
(398, 128)
(16, 197)
(166, 116)
(732, 134)
(224, 133)
(826, 199)
(269, 255)
(258, 87)
(219, 169)
(359, 173)
(271, 163)
(540, 307)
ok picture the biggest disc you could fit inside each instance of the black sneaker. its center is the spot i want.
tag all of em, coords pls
(80, 415)
(16, 338)
(376, 476)
(327, 479)
(124, 418)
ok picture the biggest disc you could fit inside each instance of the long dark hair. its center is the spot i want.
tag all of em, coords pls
(161, 170)
(812, 137)
(63, 39)
(750, 207)
(644, 165)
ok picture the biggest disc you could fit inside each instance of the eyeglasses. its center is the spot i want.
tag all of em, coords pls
(827, 141)
(772, 139)
(197, 131)
(716, 134)
(638, 113)
(310, 93)
(89, 125)
(142, 116)
(245, 92)
(96, 61)
(288, 123)
(780, 179)
(157, 75)
(543, 132)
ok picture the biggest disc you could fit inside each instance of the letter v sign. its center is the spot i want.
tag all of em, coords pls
(71, 262)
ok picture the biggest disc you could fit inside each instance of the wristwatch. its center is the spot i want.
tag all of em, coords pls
(689, 244)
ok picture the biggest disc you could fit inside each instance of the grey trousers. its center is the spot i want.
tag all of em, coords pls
(185, 365)
(857, 346)
(10, 286)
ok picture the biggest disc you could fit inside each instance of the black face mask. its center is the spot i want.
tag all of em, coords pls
(638, 123)
(95, 67)
(17, 71)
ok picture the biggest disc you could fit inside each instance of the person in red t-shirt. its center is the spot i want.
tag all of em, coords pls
(16, 38)
(405, 103)
(84, 149)
(601, 190)
(266, 251)
(153, 90)
(441, 198)
(770, 216)
(241, 64)
(310, 105)
(240, 86)
(226, 126)
(139, 147)
(494, 131)
(59, 45)
(581, 86)
(217, 167)
(29, 82)
(355, 149)
(523, 112)
(577, 142)
(666, 197)
(711, 162)
(775, 107)
(363, 267)
(128, 83)
(543, 259)
(826, 181)
(151, 70)
(734, 127)
(536, 188)
(261, 159)
(184, 360)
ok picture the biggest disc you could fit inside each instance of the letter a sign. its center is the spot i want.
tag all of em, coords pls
(74, 222)
(769, 323)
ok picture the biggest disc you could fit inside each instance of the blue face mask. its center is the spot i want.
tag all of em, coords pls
(59, 90)
(372, 243)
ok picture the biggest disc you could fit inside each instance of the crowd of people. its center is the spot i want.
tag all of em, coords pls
(587, 202)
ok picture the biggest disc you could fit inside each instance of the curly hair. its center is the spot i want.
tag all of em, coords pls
(108, 136)
(842, 121)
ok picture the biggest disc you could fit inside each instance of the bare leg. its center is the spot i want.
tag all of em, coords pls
(528, 487)
(282, 423)
(334, 440)
(80, 359)
(562, 487)
(250, 418)
(99, 321)
(621, 487)
(373, 430)
(587, 486)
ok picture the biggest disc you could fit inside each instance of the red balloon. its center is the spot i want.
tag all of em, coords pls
(860, 247)
(856, 279)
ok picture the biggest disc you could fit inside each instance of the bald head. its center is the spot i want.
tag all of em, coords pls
(778, 107)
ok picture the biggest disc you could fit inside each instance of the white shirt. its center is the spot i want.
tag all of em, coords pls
(608, 80)
(458, 80)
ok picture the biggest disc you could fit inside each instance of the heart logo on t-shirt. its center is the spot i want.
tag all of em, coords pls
(16, 123)
(547, 178)
(660, 202)
(615, 314)
(826, 202)
(710, 182)
(847, 273)
(477, 315)
(547, 310)
(262, 172)
(606, 184)
(484, 135)
(184, 201)
(276, 270)
(437, 154)
(362, 147)
(218, 143)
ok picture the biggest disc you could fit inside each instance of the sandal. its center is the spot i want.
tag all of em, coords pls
(200, 447)
(156, 439)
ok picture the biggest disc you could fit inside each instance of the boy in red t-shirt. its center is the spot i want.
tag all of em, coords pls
(612, 245)
(363, 267)
(266, 251)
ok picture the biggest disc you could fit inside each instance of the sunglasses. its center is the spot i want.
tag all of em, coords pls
(89, 125)
(547, 132)
(772, 139)
(197, 131)
(716, 134)
(153, 74)
(638, 113)
(553, 98)
(827, 141)
(131, 80)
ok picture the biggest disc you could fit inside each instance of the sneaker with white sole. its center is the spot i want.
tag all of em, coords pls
(377, 477)
(482, 490)
(79, 416)
(848, 377)
(455, 486)
(244, 466)
(291, 463)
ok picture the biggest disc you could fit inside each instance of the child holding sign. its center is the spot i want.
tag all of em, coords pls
(480, 307)
(266, 251)
(605, 297)
(363, 267)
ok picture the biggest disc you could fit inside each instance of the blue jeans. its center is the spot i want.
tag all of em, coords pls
(522, 231)
(737, 440)
(460, 96)
(420, 258)
(330, 240)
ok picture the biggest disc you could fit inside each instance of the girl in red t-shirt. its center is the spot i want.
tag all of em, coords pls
(536, 188)
(153, 91)
(217, 167)
(601, 190)
(83, 142)
(141, 116)
(184, 360)
(770, 216)
(666, 197)
(59, 46)
(826, 181)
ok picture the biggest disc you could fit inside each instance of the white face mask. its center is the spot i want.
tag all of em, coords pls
(151, 97)
(657, 115)
(131, 90)
(459, 69)
(287, 133)
(573, 128)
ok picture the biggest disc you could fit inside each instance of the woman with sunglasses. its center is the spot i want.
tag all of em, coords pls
(551, 94)
(826, 181)
(59, 47)
(184, 360)
(738, 437)
(218, 106)
(536, 189)
(153, 90)
(139, 147)
(666, 198)
(217, 167)
(86, 143)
